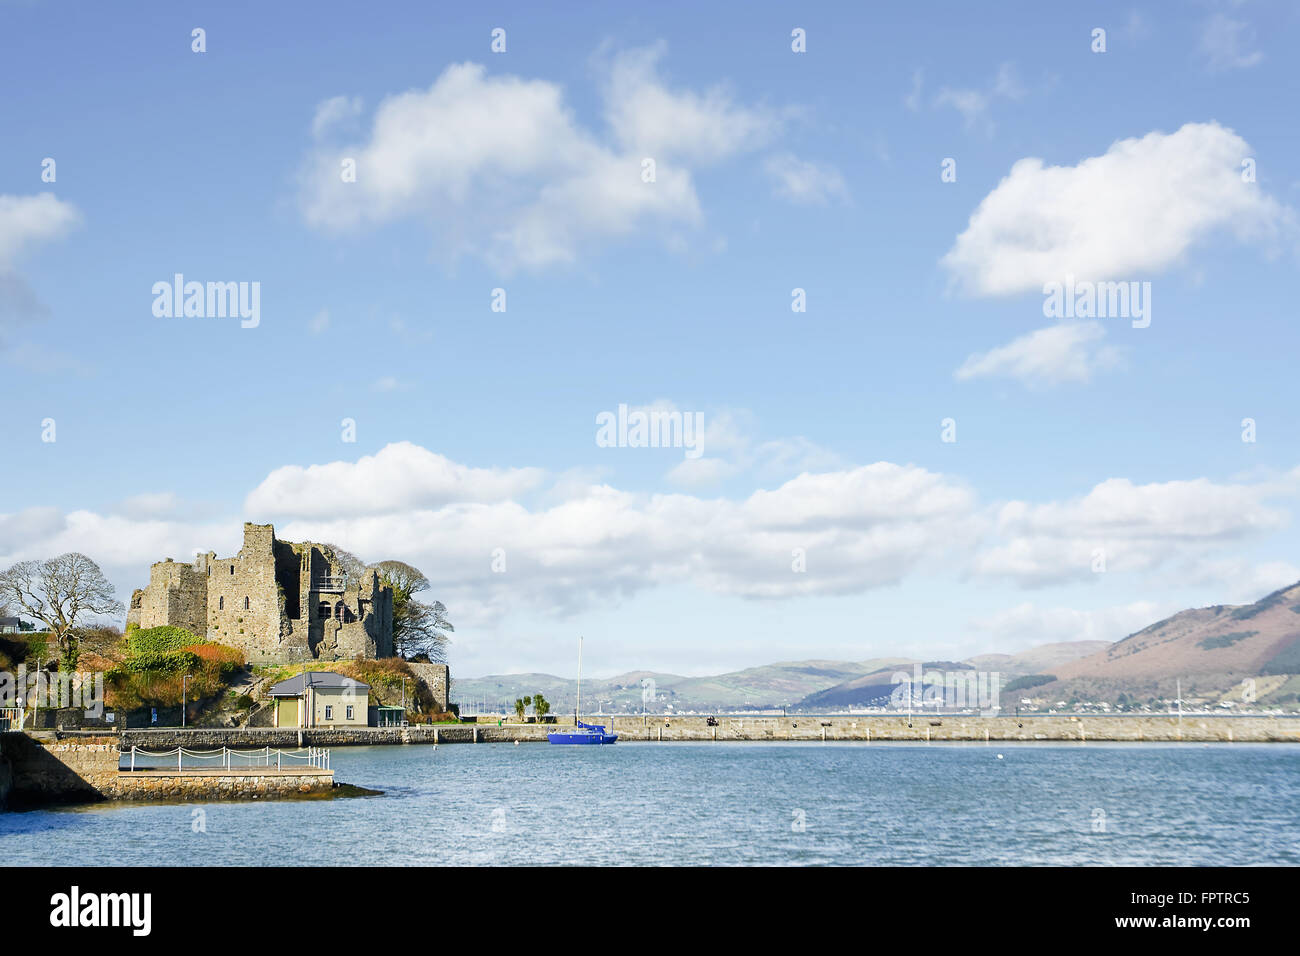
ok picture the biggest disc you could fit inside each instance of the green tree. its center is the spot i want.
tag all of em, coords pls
(418, 628)
(541, 706)
(521, 705)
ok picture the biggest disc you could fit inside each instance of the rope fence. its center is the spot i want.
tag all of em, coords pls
(317, 758)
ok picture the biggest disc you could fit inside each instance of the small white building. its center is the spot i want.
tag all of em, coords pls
(321, 699)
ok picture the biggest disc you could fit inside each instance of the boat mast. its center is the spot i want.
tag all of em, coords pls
(577, 714)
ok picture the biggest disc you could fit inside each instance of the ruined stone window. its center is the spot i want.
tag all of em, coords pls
(232, 569)
(245, 604)
(324, 611)
(221, 603)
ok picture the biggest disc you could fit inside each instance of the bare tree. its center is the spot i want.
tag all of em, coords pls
(418, 628)
(352, 566)
(60, 593)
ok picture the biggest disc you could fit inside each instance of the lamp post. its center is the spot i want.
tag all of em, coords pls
(183, 680)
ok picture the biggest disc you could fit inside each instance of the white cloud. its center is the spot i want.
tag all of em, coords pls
(572, 544)
(804, 181)
(649, 119)
(398, 477)
(1131, 211)
(1137, 527)
(1235, 580)
(500, 167)
(1027, 625)
(1227, 44)
(730, 449)
(26, 221)
(1068, 352)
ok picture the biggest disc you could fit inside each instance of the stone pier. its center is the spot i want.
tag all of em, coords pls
(1191, 728)
(44, 769)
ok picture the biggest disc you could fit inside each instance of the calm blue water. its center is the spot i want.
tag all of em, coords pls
(725, 803)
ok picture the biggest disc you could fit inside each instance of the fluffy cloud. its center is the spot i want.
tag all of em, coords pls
(570, 544)
(24, 222)
(500, 167)
(1069, 352)
(399, 477)
(1131, 211)
(1136, 527)
(1026, 625)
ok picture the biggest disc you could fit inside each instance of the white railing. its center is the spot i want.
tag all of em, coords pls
(317, 758)
(11, 718)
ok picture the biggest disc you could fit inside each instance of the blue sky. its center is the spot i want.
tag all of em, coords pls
(776, 170)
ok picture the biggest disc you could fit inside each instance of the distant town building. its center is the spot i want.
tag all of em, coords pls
(10, 625)
(278, 601)
(321, 699)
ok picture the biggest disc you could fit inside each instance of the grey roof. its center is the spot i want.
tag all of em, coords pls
(317, 680)
(15, 621)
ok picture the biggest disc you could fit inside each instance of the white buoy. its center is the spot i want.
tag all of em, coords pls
(999, 756)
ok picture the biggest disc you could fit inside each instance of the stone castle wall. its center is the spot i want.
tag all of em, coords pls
(436, 677)
(275, 600)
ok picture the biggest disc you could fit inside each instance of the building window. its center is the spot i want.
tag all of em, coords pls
(245, 604)
(232, 569)
(221, 603)
(329, 712)
(324, 611)
(349, 712)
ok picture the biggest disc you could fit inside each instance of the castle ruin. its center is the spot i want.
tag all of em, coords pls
(278, 601)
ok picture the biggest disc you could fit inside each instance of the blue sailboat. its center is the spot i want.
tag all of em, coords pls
(581, 733)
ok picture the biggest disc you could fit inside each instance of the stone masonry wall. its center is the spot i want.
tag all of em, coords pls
(1153, 728)
(245, 608)
(264, 601)
(87, 769)
(436, 677)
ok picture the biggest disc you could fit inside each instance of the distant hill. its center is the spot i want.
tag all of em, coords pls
(875, 689)
(766, 687)
(795, 685)
(1212, 650)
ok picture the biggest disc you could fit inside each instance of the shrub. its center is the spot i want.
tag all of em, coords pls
(225, 660)
(1029, 680)
(164, 662)
(1224, 640)
(160, 640)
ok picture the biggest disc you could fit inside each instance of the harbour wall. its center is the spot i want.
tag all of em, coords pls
(47, 769)
(1193, 728)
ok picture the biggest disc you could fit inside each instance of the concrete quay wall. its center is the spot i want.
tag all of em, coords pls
(1057, 727)
(1192, 728)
